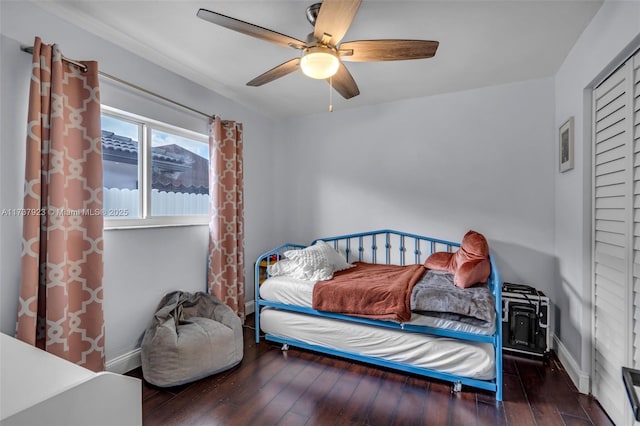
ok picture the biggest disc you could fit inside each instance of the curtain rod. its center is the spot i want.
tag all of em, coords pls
(83, 68)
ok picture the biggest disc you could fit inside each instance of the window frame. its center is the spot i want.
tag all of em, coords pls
(146, 220)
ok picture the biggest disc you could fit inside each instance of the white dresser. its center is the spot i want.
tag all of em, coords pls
(37, 388)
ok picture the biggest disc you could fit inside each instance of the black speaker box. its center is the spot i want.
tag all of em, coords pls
(525, 320)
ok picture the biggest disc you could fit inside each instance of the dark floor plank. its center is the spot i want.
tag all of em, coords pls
(309, 402)
(436, 410)
(410, 410)
(593, 409)
(464, 408)
(292, 419)
(490, 411)
(190, 402)
(516, 404)
(270, 387)
(537, 390)
(575, 421)
(261, 373)
(384, 406)
(331, 407)
(152, 397)
(509, 364)
(292, 391)
(220, 413)
(363, 397)
(556, 382)
(298, 387)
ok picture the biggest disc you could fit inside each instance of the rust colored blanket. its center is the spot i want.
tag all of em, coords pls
(369, 290)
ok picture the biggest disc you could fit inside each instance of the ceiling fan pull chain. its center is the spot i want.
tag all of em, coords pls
(331, 94)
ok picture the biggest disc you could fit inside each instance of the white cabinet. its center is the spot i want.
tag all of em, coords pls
(37, 388)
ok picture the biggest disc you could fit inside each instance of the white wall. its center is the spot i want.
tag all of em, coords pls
(479, 159)
(609, 38)
(140, 265)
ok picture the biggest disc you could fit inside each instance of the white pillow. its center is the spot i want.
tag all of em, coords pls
(281, 267)
(311, 263)
(317, 263)
(336, 260)
(309, 267)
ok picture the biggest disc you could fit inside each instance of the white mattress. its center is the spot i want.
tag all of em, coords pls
(468, 359)
(297, 292)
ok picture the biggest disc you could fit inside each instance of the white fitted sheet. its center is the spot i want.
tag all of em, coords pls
(469, 359)
(292, 291)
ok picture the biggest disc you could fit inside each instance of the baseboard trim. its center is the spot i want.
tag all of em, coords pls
(249, 307)
(125, 362)
(578, 377)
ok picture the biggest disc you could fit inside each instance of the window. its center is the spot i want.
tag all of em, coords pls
(154, 174)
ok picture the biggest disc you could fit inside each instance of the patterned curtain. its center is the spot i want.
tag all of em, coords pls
(226, 214)
(60, 304)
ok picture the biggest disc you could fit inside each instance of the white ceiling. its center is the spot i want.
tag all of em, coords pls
(482, 43)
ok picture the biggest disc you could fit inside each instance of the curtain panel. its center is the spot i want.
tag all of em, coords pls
(226, 214)
(60, 302)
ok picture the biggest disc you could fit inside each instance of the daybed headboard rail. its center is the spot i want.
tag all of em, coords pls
(383, 246)
(396, 247)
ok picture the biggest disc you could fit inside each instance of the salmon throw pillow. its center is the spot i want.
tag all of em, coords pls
(469, 264)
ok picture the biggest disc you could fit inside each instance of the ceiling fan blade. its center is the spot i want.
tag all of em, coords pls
(334, 19)
(344, 83)
(249, 29)
(387, 50)
(276, 72)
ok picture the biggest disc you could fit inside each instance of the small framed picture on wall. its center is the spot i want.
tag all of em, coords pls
(566, 146)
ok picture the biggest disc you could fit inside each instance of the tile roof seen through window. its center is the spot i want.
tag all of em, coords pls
(174, 168)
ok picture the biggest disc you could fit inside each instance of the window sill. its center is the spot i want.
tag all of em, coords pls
(168, 222)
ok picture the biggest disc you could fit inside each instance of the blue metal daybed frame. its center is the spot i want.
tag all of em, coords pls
(395, 245)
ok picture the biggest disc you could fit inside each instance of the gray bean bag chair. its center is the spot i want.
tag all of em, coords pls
(192, 336)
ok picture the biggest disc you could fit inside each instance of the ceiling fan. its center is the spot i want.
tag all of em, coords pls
(322, 53)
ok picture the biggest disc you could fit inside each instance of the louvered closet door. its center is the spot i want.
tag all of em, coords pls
(636, 207)
(616, 238)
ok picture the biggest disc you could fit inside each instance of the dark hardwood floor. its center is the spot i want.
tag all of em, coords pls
(297, 387)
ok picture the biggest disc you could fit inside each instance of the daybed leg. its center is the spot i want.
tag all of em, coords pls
(457, 386)
(285, 347)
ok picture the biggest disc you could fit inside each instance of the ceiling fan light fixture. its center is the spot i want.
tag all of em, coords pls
(319, 62)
